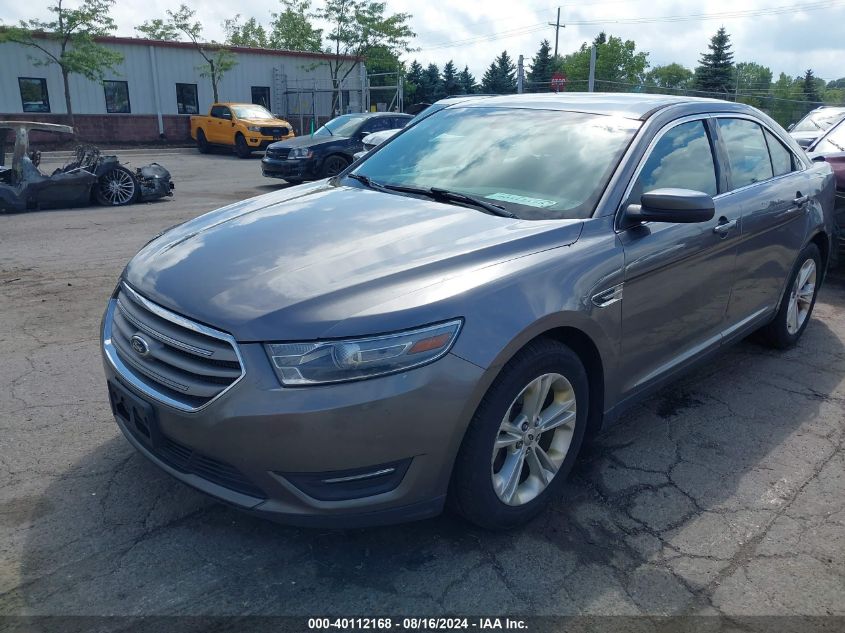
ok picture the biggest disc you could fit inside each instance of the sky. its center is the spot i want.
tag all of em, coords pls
(785, 35)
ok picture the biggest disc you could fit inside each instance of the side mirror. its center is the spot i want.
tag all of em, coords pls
(791, 125)
(679, 206)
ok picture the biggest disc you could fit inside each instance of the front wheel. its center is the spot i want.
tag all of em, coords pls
(116, 187)
(797, 304)
(523, 439)
(333, 165)
(202, 142)
(241, 148)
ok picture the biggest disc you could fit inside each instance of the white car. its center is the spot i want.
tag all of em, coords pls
(374, 140)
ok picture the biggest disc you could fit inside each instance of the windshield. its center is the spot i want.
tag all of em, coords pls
(252, 112)
(820, 120)
(538, 164)
(833, 141)
(344, 125)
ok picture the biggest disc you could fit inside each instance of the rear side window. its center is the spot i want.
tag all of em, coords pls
(683, 159)
(221, 112)
(782, 162)
(747, 152)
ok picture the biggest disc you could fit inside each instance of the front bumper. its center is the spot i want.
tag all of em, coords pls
(258, 439)
(257, 141)
(302, 169)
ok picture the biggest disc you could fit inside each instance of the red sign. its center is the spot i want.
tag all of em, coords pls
(558, 82)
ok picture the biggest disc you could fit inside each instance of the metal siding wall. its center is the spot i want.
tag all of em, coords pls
(175, 65)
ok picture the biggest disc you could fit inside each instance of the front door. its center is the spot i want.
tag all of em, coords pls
(678, 277)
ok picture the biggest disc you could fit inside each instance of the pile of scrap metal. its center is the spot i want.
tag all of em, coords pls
(90, 177)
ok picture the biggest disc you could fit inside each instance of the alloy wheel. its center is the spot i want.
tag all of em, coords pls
(801, 297)
(533, 439)
(117, 187)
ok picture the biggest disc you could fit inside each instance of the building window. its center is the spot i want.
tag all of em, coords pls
(261, 96)
(117, 96)
(34, 94)
(186, 99)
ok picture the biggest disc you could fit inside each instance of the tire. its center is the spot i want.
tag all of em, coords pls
(241, 148)
(798, 301)
(202, 142)
(333, 165)
(479, 488)
(117, 187)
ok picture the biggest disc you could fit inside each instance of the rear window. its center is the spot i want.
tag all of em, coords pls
(539, 164)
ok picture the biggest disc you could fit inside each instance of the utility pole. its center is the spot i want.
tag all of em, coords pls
(591, 84)
(558, 26)
(520, 75)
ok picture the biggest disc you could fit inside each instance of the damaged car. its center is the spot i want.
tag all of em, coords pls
(90, 177)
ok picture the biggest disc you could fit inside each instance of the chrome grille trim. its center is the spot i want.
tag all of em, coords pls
(138, 375)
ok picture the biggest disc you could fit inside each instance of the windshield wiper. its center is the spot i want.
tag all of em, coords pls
(457, 196)
(437, 193)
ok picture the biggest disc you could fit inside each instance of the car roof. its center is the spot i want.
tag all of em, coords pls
(371, 115)
(628, 105)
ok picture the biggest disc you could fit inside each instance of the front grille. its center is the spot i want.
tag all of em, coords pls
(275, 131)
(170, 355)
(277, 152)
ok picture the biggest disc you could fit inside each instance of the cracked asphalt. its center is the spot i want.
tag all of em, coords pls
(723, 494)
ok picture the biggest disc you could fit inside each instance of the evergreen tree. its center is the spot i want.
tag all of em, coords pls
(451, 85)
(466, 80)
(715, 70)
(413, 83)
(434, 84)
(810, 87)
(500, 77)
(540, 75)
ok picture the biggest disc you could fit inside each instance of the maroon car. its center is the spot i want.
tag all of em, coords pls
(830, 147)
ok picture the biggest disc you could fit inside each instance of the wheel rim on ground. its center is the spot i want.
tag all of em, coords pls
(533, 439)
(801, 297)
(117, 187)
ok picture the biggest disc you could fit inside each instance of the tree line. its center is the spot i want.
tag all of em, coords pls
(620, 67)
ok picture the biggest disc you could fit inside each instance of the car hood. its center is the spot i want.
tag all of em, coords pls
(296, 263)
(265, 122)
(307, 141)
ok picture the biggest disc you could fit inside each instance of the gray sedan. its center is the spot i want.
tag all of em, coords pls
(448, 320)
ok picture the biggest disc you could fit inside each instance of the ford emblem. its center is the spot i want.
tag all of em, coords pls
(140, 345)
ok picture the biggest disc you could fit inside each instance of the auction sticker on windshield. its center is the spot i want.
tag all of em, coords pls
(525, 200)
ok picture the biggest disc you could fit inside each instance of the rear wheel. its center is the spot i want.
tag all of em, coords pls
(523, 439)
(117, 187)
(241, 148)
(202, 142)
(333, 165)
(798, 301)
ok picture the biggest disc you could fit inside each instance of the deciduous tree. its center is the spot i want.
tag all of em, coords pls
(357, 26)
(670, 77)
(72, 33)
(250, 33)
(293, 29)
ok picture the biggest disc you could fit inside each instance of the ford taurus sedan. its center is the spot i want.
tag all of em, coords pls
(446, 321)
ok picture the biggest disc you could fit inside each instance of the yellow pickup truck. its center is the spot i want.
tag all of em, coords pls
(244, 126)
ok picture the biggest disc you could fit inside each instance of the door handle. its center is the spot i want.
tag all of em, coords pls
(801, 200)
(724, 226)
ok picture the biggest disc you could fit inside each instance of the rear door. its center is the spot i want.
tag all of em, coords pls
(678, 277)
(220, 125)
(771, 186)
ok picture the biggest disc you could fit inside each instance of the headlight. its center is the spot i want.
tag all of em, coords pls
(300, 152)
(254, 128)
(321, 362)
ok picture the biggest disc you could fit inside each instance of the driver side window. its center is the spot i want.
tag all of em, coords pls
(683, 159)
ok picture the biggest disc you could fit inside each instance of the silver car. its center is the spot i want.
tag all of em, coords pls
(449, 319)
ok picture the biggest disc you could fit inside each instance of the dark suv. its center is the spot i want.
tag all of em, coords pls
(329, 150)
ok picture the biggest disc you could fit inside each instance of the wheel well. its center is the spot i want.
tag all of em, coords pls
(587, 351)
(821, 240)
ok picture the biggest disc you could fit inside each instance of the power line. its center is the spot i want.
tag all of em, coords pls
(724, 15)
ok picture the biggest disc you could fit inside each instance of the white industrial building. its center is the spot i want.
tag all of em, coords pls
(151, 94)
